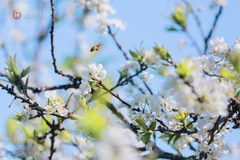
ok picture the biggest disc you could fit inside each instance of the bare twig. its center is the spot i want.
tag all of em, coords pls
(117, 43)
(212, 29)
(196, 18)
(114, 95)
(194, 42)
(64, 86)
(52, 44)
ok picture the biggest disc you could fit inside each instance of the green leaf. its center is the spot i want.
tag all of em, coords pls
(25, 71)
(170, 29)
(95, 95)
(123, 75)
(179, 17)
(146, 137)
(185, 68)
(26, 83)
(162, 52)
(93, 123)
(142, 125)
(11, 127)
(226, 73)
(69, 98)
(44, 127)
(65, 134)
(181, 116)
(165, 135)
(237, 94)
(152, 126)
(135, 55)
(27, 131)
(235, 60)
(170, 138)
(175, 138)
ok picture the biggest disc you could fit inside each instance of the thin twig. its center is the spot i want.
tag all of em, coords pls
(114, 95)
(196, 18)
(212, 29)
(52, 44)
(194, 42)
(117, 43)
(47, 88)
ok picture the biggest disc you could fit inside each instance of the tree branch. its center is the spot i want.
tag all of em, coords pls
(212, 29)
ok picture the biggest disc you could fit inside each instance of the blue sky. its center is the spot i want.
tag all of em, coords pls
(146, 23)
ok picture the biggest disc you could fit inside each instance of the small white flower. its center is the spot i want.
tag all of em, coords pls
(94, 72)
(117, 23)
(130, 65)
(62, 111)
(150, 57)
(50, 109)
(85, 88)
(218, 47)
(51, 95)
(146, 76)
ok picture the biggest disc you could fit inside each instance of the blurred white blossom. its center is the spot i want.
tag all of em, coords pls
(218, 47)
(85, 88)
(221, 3)
(236, 47)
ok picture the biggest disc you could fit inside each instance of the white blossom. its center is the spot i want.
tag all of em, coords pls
(146, 76)
(51, 95)
(62, 111)
(118, 144)
(102, 11)
(150, 57)
(218, 47)
(94, 72)
(85, 88)
(50, 109)
(130, 65)
(236, 47)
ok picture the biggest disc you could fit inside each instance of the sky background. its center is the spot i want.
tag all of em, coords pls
(146, 24)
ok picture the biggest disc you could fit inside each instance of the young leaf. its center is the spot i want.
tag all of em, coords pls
(146, 137)
(175, 138)
(25, 71)
(141, 124)
(69, 98)
(152, 126)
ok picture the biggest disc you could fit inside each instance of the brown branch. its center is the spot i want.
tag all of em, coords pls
(148, 88)
(47, 88)
(52, 44)
(117, 43)
(194, 42)
(114, 95)
(196, 18)
(124, 82)
(52, 138)
(23, 98)
(212, 29)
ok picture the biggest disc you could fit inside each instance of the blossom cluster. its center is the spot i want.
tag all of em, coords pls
(55, 104)
(93, 73)
(102, 10)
